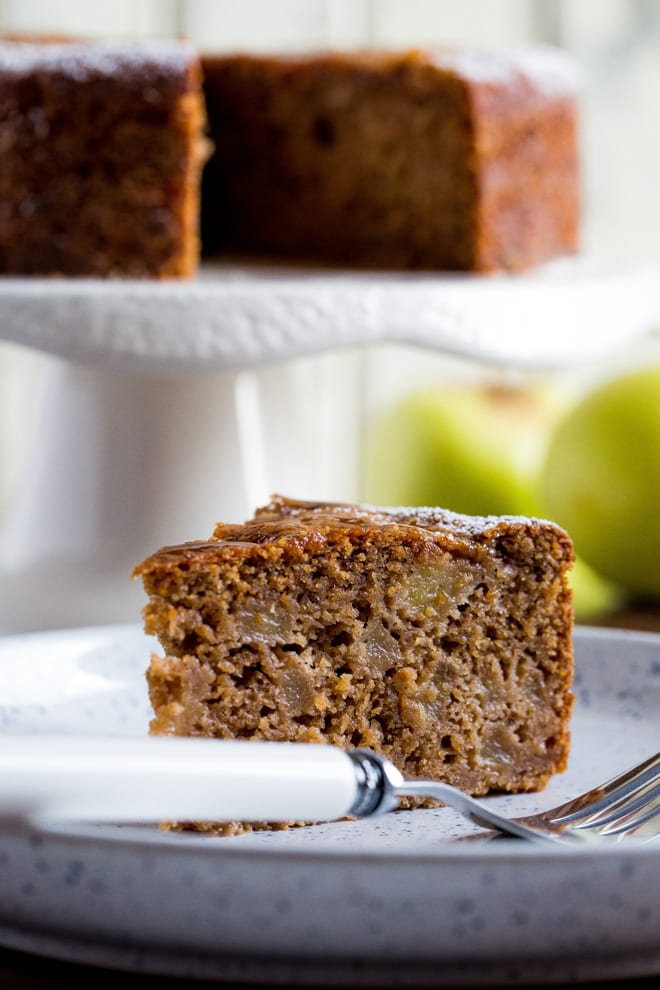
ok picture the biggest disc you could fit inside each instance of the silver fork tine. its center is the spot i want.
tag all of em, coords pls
(631, 823)
(644, 830)
(628, 817)
(641, 806)
(604, 797)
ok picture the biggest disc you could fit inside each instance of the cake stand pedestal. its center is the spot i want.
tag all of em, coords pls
(165, 407)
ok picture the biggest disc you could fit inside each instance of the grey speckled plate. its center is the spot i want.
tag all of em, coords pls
(406, 900)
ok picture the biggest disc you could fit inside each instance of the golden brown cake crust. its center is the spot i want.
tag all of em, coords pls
(100, 156)
(439, 159)
(292, 528)
(442, 641)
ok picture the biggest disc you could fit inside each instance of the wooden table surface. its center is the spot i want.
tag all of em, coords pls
(643, 617)
(25, 972)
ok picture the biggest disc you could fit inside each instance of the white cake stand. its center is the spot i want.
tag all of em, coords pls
(165, 406)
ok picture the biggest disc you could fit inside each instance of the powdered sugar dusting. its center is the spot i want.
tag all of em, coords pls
(79, 61)
(430, 518)
(552, 71)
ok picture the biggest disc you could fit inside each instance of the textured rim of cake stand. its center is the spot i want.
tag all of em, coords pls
(235, 317)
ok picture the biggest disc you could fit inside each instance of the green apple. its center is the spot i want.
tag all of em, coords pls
(478, 450)
(593, 595)
(601, 479)
(473, 449)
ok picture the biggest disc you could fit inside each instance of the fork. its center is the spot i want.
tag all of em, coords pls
(92, 779)
(624, 805)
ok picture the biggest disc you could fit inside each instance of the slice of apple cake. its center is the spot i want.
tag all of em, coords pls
(442, 641)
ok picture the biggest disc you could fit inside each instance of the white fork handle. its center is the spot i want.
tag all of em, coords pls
(166, 778)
